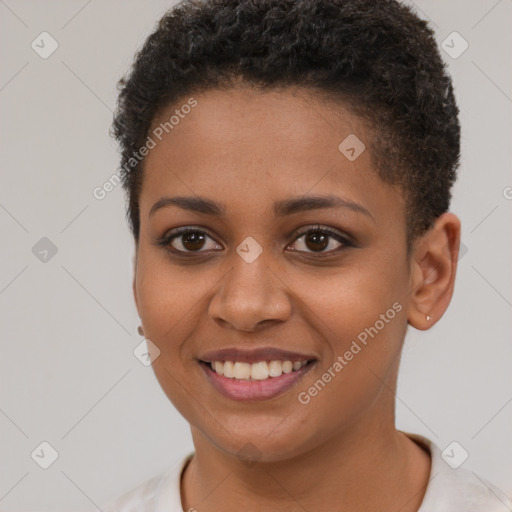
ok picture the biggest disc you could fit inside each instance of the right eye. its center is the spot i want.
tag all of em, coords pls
(187, 240)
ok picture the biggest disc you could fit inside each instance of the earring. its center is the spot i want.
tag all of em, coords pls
(140, 331)
(429, 318)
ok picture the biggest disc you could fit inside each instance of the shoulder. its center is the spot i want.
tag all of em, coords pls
(161, 492)
(457, 488)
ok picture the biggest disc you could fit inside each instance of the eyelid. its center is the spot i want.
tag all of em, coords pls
(325, 229)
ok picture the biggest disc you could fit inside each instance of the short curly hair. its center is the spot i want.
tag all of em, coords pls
(376, 56)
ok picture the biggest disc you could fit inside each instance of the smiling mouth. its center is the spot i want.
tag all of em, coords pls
(258, 371)
(257, 381)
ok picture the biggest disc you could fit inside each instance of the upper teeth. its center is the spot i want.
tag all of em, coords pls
(259, 371)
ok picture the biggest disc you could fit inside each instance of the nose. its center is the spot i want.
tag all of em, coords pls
(250, 296)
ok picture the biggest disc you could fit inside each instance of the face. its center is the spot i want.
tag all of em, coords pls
(266, 268)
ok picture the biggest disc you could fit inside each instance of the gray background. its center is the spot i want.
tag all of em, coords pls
(67, 369)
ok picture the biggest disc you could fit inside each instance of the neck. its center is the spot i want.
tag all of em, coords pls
(365, 467)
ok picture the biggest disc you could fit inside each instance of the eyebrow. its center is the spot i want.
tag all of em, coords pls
(281, 208)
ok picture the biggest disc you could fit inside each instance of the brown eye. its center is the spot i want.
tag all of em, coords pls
(193, 241)
(317, 241)
(188, 240)
(321, 240)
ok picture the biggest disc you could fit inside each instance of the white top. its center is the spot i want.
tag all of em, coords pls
(448, 490)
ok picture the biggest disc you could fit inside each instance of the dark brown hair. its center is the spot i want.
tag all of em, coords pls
(378, 53)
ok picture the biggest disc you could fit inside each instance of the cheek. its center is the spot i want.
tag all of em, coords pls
(360, 314)
(166, 296)
(365, 341)
(346, 301)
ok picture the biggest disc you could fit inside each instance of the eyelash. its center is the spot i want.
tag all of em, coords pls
(168, 238)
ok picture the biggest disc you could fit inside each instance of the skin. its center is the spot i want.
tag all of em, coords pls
(247, 149)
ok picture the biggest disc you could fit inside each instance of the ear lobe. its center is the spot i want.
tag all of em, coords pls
(433, 272)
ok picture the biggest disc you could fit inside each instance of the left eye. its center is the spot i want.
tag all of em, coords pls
(321, 240)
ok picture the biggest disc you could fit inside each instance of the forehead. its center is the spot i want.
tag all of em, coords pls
(243, 146)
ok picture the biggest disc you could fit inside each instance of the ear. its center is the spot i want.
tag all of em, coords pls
(433, 268)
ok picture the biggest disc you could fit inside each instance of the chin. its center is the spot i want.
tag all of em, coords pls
(252, 443)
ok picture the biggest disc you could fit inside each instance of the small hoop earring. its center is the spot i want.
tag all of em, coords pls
(429, 318)
(140, 331)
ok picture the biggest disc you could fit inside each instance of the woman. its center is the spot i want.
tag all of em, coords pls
(288, 166)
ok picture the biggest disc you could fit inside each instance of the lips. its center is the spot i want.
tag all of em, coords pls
(254, 355)
(254, 390)
(285, 369)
